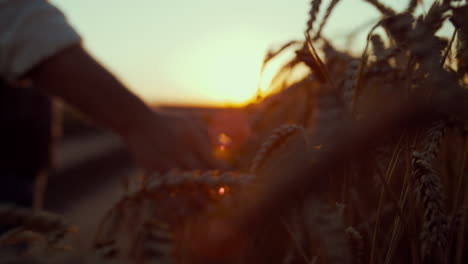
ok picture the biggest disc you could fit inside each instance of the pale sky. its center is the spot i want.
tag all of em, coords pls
(199, 51)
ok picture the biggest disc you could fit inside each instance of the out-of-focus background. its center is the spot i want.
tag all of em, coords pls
(91, 164)
(206, 52)
(203, 57)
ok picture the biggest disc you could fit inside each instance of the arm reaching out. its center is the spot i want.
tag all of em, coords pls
(77, 78)
(156, 141)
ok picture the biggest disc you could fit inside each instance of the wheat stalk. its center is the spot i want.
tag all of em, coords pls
(385, 10)
(39, 221)
(356, 244)
(146, 207)
(435, 16)
(153, 244)
(329, 110)
(457, 219)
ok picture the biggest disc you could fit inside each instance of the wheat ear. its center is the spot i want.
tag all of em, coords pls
(35, 220)
(429, 191)
(277, 136)
(313, 13)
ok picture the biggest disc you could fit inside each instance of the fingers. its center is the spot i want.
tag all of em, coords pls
(162, 160)
(175, 142)
(176, 158)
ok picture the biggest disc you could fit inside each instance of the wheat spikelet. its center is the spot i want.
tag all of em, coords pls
(424, 46)
(435, 16)
(433, 141)
(378, 47)
(35, 220)
(356, 244)
(435, 223)
(23, 242)
(44, 258)
(313, 13)
(349, 83)
(420, 38)
(325, 18)
(399, 28)
(153, 244)
(429, 191)
(277, 136)
(161, 185)
(175, 179)
(146, 217)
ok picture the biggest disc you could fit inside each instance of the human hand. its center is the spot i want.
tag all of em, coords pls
(165, 141)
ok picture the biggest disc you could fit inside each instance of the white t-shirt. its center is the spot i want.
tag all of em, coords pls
(30, 32)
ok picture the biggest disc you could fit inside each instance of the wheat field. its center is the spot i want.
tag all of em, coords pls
(363, 160)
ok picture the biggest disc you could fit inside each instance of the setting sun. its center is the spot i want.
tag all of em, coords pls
(226, 69)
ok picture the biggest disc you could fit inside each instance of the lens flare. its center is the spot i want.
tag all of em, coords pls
(221, 191)
(224, 140)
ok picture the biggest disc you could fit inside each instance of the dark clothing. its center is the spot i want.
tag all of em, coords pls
(25, 136)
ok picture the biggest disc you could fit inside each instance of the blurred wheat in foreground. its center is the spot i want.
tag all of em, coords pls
(397, 196)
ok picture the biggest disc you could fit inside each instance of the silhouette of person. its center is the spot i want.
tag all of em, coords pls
(39, 46)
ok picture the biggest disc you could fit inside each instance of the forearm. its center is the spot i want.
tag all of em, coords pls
(76, 77)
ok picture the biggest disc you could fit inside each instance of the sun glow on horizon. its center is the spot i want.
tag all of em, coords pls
(183, 52)
(203, 52)
(228, 71)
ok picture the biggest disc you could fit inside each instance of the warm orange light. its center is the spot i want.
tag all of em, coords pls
(225, 69)
(221, 152)
(224, 140)
(223, 148)
(221, 191)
